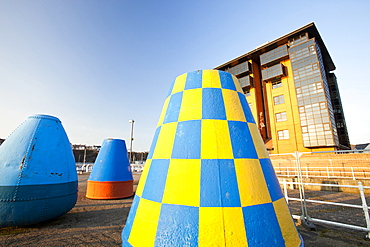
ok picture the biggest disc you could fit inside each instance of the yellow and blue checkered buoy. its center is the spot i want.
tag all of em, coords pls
(208, 180)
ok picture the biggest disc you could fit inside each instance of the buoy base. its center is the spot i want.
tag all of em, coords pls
(35, 203)
(109, 190)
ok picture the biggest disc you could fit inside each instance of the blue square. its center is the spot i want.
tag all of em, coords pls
(247, 111)
(173, 109)
(178, 225)
(272, 182)
(193, 80)
(262, 226)
(171, 88)
(213, 104)
(154, 142)
(219, 187)
(130, 219)
(187, 140)
(227, 81)
(156, 180)
(242, 141)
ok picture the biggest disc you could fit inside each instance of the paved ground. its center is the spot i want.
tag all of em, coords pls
(100, 223)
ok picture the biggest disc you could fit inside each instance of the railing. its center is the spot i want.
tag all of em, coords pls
(310, 206)
(83, 168)
(354, 173)
(137, 168)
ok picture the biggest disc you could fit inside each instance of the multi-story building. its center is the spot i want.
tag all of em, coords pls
(293, 93)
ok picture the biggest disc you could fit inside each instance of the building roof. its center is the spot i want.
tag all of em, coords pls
(309, 28)
(361, 146)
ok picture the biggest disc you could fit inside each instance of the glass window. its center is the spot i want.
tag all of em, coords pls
(279, 99)
(272, 72)
(245, 81)
(276, 84)
(240, 68)
(283, 134)
(281, 116)
(274, 54)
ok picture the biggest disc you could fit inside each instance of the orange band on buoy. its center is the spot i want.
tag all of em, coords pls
(109, 190)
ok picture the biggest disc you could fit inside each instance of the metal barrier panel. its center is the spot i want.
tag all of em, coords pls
(327, 187)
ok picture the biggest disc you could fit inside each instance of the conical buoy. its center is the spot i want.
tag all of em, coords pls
(38, 178)
(111, 176)
(208, 180)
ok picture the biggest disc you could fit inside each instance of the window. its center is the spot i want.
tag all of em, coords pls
(283, 134)
(279, 99)
(275, 54)
(281, 116)
(240, 68)
(276, 84)
(273, 72)
(247, 91)
(245, 81)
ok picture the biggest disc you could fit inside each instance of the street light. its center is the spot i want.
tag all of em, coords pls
(132, 136)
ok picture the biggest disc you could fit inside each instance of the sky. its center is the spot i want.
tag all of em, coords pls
(97, 64)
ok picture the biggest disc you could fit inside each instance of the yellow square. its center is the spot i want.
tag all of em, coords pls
(258, 142)
(166, 138)
(251, 182)
(144, 175)
(286, 223)
(179, 84)
(191, 106)
(216, 142)
(221, 227)
(183, 182)
(164, 110)
(211, 227)
(235, 234)
(144, 227)
(211, 78)
(233, 107)
(237, 85)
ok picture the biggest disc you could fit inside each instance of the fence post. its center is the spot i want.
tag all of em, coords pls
(327, 171)
(353, 173)
(365, 208)
(285, 191)
(287, 171)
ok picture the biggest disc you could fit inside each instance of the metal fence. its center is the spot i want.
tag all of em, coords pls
(319, 191)
(334, 164)
(335, 208)
(339, 195)
(87, 167)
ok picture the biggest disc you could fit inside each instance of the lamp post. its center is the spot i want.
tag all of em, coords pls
(131, 136)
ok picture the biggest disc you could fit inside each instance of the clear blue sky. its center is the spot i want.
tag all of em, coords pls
(97, 64)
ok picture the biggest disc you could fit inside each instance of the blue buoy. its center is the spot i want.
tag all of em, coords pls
(38, 178)
(111, 176)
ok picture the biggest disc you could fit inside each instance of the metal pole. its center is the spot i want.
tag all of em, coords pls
(285, 191)
(365, 207)
(353, 173)
(131, 137)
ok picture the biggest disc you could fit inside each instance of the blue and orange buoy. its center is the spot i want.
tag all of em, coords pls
(208, 180)
(38, 178)
(111, 176)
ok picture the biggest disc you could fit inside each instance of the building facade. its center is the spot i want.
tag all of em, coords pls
(293, 93)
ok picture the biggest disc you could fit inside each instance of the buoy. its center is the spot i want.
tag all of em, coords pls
(111, 176)
(208, 180)
(38, 180)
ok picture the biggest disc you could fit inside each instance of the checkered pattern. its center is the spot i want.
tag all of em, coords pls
(208, 180)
